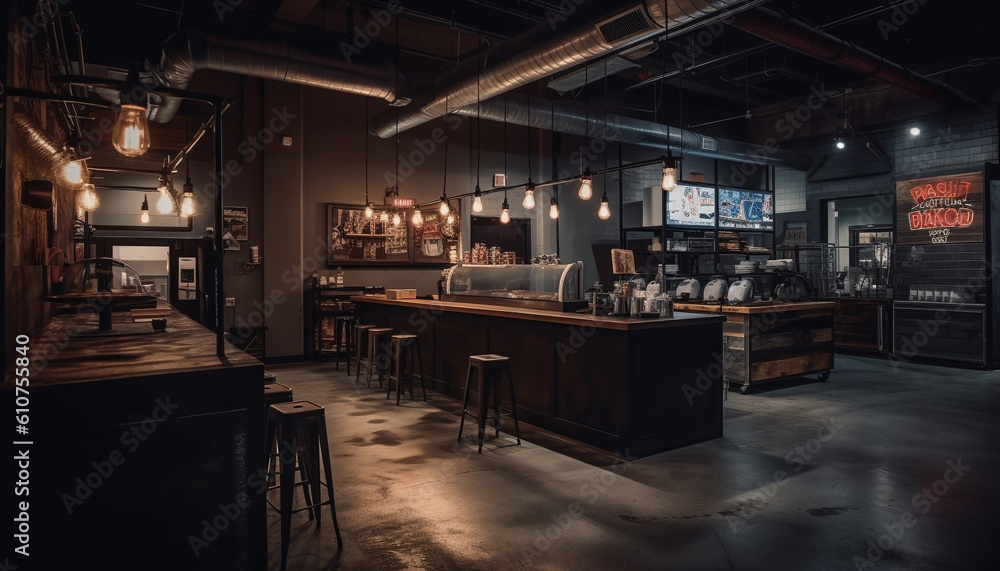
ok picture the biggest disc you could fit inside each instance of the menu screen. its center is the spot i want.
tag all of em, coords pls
(690, 205)
(746, 209)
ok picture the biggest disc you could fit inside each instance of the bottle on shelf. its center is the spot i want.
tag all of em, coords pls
(340, 277)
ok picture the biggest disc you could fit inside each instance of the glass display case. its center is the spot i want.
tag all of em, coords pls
(554, 287)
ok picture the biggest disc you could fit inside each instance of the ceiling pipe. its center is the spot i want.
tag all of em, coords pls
(591, 31)
(593, 122)
(797, 36)
(188, 51)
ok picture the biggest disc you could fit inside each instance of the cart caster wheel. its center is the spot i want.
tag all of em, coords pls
(744, 389)
(823, 376)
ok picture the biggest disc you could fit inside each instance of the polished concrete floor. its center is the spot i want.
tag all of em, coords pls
(880, 467)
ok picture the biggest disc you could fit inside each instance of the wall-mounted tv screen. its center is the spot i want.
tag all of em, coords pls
(746, 209)
(691, 205)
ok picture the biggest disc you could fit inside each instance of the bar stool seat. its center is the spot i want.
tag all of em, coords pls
(379, 339)
(343, 328)
(299, 427)
(275, 393)
(406, 349)
(270, 377)
(488, 369)
(361, 346)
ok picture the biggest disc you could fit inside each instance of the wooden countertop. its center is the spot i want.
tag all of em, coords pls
(184, 346)
(679, 319)
(753, 309)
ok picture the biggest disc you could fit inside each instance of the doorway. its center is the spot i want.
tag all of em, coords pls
(152, 263)
(515, 236)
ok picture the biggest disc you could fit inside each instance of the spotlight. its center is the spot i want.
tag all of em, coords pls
(914, 131)
(839, 141)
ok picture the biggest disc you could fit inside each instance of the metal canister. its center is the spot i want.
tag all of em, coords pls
(666, 306)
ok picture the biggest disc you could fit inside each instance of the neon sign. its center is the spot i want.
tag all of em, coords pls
(940, 210)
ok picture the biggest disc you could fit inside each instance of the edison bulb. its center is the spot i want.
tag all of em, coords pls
(604, 212)
(144, 217)
(131, 134)
(165, 204)
(396, 220)
(383, 216)
(529, 199)
(445, 209)
(450, 219)
(418, 219)
(76, 173)
(505, 212)
(369, 211)
(586, 188)
(554, 210)
(187, 204)
(477, 204)
(87, 199)
(669, 181)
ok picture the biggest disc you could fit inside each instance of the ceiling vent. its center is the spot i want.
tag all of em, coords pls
(622, 28)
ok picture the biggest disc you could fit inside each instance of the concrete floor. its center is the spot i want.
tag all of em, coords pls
(853, 473)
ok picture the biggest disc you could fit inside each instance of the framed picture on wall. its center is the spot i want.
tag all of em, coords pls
(353, 239)
(234, 220)
(439, 239)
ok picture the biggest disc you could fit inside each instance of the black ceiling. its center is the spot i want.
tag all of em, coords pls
(731, 72)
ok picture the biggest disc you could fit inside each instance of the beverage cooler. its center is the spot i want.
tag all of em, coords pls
(946, 291)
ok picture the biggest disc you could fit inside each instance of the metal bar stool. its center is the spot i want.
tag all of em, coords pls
(361, 346)
(406, 347)
(277, 393)
(488, 369)
(301, 426)
(378, 345)
(343, 328)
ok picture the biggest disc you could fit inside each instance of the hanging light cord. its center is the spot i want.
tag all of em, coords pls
(479, 116)
(366, 153)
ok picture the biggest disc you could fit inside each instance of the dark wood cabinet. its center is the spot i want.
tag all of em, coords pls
(862, 324)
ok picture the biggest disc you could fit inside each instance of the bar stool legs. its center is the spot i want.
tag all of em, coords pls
(344, 333)
(302, 426)
(488, 369)
(406, 347)
(360, 347)
(378, 340)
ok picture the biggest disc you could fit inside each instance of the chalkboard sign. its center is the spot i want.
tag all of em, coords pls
(940, 209)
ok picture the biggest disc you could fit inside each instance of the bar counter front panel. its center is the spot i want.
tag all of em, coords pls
(137, 442)
(616, 383)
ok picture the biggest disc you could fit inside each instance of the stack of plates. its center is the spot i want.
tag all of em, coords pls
(671, 268)
(746, 267)
(772, 265)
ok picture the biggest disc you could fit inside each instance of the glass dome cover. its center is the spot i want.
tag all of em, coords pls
(102, 275)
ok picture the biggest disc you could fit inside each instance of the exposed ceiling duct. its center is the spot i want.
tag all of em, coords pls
(187, 51)
(590, 121)
(548, 48)
(797, 36)
(43, 152)
(589, 74)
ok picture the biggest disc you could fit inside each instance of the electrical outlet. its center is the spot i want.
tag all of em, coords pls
(230, 302)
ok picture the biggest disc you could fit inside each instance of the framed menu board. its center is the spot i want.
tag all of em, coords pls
(940, 209)
(353, 239)
(439, 239)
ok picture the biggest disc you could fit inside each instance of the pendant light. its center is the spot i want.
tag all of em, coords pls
(396, 219)
(505, 208)
(669, 162)
(383, 216)
(130, 136)
(418, 218)
(369, 207)
(445, 208)
(529, 191)
(554, 208)
(604, 212)
(586, 185)
(87, 198)
(477, 200)
(586, 182)
(144, 211)
(75, 173)
(167, 203)
(187, 207)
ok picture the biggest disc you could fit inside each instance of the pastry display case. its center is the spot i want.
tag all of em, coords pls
(555, 287)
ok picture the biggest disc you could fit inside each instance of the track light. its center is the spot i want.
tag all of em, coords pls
(604, 212)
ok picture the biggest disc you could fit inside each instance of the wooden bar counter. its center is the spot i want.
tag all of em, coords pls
(616, 383)
(144, 449)
(768, 341)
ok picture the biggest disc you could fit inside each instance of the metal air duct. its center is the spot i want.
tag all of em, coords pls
(187, 51)
(799, 37)
(590, 32)
(595, 123)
